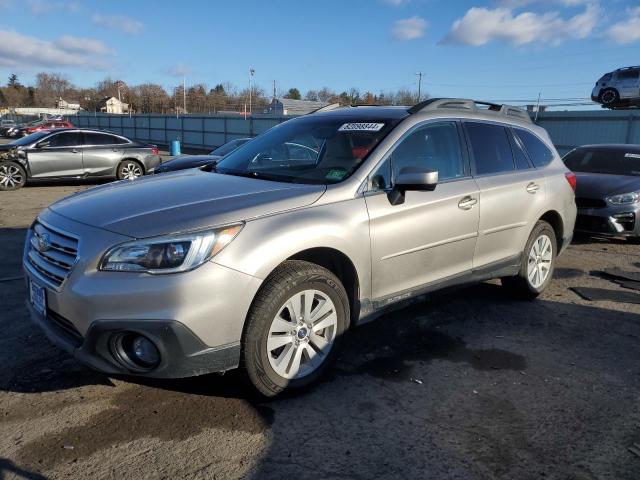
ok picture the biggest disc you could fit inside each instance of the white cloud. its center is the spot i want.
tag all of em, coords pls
(397, 3)
(179, 70)
(121, 23)
(17, 50)
(626, 31)
(409, 28)
(483, 25)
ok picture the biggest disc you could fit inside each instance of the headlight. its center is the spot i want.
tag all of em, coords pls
(633, 197)
(169, 254)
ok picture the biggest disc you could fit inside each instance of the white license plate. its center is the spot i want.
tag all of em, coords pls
(38, 297)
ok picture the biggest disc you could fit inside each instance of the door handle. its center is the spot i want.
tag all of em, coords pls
(533, 187)
(467, 203)
(74, 150)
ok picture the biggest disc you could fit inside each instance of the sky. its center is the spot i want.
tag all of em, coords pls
(508, 50)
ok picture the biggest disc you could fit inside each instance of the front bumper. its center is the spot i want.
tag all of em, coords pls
(612, 221)
(182, 353)
(195, 318)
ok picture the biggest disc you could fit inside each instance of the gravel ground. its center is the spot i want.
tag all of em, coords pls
(469, 385)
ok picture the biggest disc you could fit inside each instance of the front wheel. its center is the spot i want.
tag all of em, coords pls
(609, 97)
(12, 176)
(129, 170)
(538, 261)
(294, 327)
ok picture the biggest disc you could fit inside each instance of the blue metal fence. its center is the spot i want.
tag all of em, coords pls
(567, 129)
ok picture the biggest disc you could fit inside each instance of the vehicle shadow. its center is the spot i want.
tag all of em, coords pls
(67, 182)
(9, 470)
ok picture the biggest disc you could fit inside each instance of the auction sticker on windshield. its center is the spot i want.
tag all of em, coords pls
(38, 298)
(361, 127)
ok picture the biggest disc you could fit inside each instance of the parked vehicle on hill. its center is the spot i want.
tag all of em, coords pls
(74, 153)
(268, 258)
(620, 88)
(192, 161)
(608, 191)
(6, 125)
(45, 125)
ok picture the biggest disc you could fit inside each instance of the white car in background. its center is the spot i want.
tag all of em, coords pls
(620, 88)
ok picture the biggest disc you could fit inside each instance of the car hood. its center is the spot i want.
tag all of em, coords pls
(601, 185)
(181, 201)
(187, 161)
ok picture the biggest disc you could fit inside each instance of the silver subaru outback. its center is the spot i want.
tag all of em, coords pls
(266, 259)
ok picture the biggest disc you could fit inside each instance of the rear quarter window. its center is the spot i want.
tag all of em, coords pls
(539, 153)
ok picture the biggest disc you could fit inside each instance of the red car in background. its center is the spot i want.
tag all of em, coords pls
(46, 125)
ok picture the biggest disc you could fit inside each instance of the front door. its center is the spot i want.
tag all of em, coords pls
(432, 235)
(58, 155)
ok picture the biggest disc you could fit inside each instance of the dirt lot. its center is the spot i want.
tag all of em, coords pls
(468, 385)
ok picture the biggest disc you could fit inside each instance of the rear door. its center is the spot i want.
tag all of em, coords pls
(512, 192)
(629, 83)
(102, 153)
(58, 155)
(432, 235)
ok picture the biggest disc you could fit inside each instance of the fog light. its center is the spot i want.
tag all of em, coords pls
(135, 351)
(145, 351)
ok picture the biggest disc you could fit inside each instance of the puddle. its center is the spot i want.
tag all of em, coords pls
(430, 345)
(140, 412)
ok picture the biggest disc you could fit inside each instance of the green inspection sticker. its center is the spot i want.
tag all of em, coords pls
(336, 174)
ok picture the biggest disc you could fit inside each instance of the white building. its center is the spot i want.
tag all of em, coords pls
(113, 105)
(64, 105)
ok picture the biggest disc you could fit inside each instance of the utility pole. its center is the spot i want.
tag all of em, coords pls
(274, 90)
(535, 120)
(251, 72)
(184, 95)
(419, 75)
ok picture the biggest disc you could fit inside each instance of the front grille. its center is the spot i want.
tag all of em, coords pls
(66, 327)
(51, 253)
(591, 223)
(582, 202)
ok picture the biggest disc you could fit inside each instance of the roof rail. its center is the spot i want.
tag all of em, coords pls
(469, 105)
(326, 108)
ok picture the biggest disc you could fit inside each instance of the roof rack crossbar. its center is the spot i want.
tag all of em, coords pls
(469, 105)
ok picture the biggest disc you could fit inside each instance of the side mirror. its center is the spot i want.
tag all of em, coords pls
(412, 178)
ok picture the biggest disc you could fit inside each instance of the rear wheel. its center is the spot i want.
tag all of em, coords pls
(538, 260)
(294, 327)
(609, 97)
(12, 176)
(129, 170)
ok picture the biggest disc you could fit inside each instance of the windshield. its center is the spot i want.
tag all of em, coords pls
(315, 149)
(614, 162)
(30, 138)
(228, 147)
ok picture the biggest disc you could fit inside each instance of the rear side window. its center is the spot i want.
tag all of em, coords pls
(522, 162)
(538, 152)
(631, 74)
(101, 139)
(491, 149)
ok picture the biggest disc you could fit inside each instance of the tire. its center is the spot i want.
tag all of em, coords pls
(538, 262)
(633, 240)
(279, 354)
(609, 97)
(129, 170)
(12, 176)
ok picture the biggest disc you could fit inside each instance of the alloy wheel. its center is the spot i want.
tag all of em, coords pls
(539, 261)
(10, 176)
(302, 334)
(131, 171)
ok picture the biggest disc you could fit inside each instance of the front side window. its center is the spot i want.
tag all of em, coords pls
(65, 139)
(539, 153)
(491, 149)
(316, 149)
